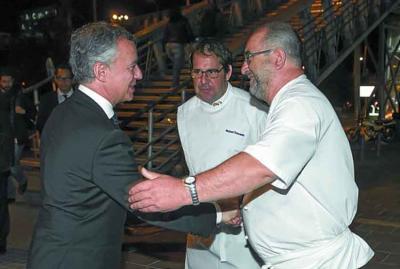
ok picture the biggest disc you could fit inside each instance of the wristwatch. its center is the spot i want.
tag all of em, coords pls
(190, 184)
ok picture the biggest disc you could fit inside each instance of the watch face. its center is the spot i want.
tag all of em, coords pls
(190, 180)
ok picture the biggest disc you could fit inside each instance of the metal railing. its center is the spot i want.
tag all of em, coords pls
(330, 36)
(152, 61)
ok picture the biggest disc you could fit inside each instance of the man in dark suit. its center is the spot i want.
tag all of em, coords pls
(7, 115)
(63, 83)
(88, 163)
(24, 114)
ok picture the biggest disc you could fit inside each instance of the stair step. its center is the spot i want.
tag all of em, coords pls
(157, 147)
(156, 91)
(143, 136)
(148, 98)
(30, 162)
(158, 83)
(127, 114)
(158, 125)
(133, 106)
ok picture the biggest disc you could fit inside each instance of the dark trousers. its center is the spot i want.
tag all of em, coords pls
(4, 214)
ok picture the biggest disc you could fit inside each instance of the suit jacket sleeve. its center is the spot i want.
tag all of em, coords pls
(43, 113)
(199, 220)
(114, 171)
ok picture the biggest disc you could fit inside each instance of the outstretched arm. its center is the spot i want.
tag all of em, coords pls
(238, 175)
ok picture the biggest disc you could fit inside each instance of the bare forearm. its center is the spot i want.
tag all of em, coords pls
(238, 175)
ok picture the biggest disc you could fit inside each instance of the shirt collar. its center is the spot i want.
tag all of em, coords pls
(289, 84)
(100, 100)
(223, 98)
(68, 94)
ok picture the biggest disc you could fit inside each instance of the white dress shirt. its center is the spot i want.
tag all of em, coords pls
(61, 96)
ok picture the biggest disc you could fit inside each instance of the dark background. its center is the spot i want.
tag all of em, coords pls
(26, 51)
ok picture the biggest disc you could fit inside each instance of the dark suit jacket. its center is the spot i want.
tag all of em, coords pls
(7, 106)
(87, 169)
(24, 123)
(47, 103)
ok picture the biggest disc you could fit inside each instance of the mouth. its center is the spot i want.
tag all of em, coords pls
(204, 88)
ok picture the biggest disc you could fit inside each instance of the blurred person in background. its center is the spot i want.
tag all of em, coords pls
(63, 80)
(7, 119)
(177, 35)
(23, 117)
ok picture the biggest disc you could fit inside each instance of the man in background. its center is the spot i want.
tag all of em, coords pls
(23, 117)
(7, 119)
(16, 116)
(64, 89)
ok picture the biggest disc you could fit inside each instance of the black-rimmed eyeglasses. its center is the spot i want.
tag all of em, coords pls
(248, 55)
(63, 78)
(210, 73)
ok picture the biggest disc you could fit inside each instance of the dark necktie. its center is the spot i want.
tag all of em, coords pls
(114, 120)
(65, 97)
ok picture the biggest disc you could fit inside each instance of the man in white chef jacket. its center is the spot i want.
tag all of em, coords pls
(303, 155)
(217, 123)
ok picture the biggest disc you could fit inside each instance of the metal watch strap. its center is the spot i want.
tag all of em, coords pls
(192, 190)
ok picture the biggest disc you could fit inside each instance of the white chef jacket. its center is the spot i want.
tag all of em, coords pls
(210, 134)
(302, 222)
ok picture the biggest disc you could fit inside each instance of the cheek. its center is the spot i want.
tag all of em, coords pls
(218, 85)
(196, 85)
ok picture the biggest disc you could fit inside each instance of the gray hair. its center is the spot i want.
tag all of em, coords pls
(208, 46)
(280, 34)
(91, 43)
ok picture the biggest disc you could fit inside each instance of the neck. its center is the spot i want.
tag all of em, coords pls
(284, 76)
(99, 89)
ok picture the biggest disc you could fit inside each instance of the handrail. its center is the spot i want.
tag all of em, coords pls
(327, 27)
(151, 32)
(163, 149)
(37, 85)
(152, 105)
(143, 149)
(168, 160)
(346, 21)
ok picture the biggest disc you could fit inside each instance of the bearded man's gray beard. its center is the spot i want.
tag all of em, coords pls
(257, 90)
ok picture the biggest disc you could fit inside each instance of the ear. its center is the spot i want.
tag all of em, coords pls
(100, 71)
(229, 73)
(280, 58)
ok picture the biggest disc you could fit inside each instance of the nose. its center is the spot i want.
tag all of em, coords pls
(245, 68)
(203, 77)
(137, 73)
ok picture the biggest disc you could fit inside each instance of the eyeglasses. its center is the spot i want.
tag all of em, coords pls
(210, 73)
(63, 78)
(248, 55)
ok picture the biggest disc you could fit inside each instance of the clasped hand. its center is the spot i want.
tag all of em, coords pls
(163, 193)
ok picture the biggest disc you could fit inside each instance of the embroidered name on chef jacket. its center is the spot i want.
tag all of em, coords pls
(233, 132)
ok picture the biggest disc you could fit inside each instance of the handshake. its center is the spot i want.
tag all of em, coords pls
(163, 193)
(230, 209)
